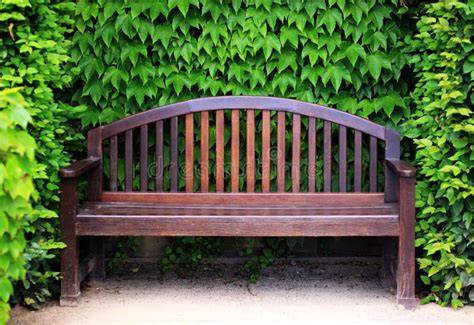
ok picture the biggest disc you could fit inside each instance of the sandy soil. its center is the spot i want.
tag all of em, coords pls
(290, 292)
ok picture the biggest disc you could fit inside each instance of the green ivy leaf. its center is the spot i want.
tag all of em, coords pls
(336, 73)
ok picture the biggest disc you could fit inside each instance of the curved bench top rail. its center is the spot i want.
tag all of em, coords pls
(244, 102)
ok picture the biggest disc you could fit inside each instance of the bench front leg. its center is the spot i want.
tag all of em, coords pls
(404, 175)
(406, 243)
(70, 265)
(70, 276)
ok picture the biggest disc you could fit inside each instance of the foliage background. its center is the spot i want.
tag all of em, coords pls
(17, 166)
(34, 50)
(130, 56)
(442, 127)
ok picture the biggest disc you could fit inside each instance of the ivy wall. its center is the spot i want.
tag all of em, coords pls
(442, 126)
(34, 49)
(17, 166)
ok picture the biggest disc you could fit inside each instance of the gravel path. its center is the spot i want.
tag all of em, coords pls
(290, 292)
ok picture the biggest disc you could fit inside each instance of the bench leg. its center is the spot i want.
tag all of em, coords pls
(389, 263)
(70, 277)
(97, 250)
(406, 244)
(70, 274)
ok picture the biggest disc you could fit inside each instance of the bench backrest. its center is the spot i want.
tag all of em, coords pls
(257, 147)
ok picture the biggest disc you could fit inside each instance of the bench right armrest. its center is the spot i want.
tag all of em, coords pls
(401, 168)
(79, 168)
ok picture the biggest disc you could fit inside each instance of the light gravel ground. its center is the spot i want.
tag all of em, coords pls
(290, 292)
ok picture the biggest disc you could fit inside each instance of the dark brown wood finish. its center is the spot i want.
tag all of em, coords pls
(265, 209)
(70, 282)
(247, 226)
(113, 163)
(220, 151)
(250, 138)
(120, 213)
(392, 152)
(357, 161)
(311, 154)
(343, 159)
(80, 167)
(251, 199)
(129, 160)
(174, 167)
(406, 242)
(245, 102)
(373, 164)
(295, 157)
(204, 151)
(266, 151)
(281, 134)
(327, 156)
(235, 153)
(189, 144)
(159, 156)
(94, 177)
(144, 158)
(94, 187)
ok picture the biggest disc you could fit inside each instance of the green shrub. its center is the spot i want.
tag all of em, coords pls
(34, 51)
(443, 128)
(17, 167)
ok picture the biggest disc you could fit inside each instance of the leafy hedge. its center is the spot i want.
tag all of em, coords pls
(17, 166)
(34, 50)
(135, 55)
(442, 126)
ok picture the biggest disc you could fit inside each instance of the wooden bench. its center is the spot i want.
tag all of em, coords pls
(354, 183)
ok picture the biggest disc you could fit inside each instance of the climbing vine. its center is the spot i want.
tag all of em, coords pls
(442, 127)
(17, 167)
(34, 51)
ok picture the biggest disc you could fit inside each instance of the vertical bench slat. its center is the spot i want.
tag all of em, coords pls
(311, 154)
(373, 165)
(204, 151)
(342, 158)
(159, 156)
(220, 151)
(235, 154)
(281, 134)
(128, 160)
(144, 158)
(357, 161)
(295, 157)
(113, 163)
(265, 151)
(250, 138)
(189, 152)
(327, 156)
(174, 155)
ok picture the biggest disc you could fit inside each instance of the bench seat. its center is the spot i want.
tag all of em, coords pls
(147, 219)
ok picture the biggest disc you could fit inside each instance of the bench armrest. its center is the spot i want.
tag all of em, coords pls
(79, 168)
(401, 168)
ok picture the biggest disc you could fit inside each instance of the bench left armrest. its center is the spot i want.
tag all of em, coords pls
(79, 168)
(401, 168)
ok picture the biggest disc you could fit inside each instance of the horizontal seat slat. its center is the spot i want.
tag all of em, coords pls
(116, 225)
(252, 199)
(112, 208)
